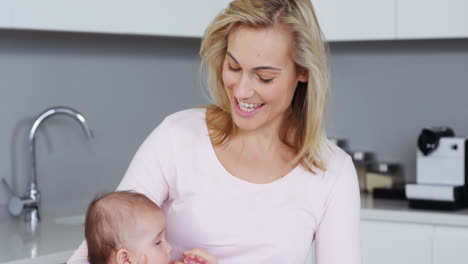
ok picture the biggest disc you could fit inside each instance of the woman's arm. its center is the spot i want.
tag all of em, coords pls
(146, 174)
(152, 166)
(80, 256)
(337, 239)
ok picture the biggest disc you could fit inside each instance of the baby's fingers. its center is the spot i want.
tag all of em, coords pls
(192, 259)
(198, 256)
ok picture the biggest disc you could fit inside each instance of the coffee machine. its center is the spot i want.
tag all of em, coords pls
(441, 171)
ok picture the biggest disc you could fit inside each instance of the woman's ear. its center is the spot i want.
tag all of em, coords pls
(303, 75)
(122, 256)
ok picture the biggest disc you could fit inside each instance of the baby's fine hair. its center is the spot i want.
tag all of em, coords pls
(106, 218)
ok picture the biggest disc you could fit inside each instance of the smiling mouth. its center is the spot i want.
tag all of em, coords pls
(248, 107)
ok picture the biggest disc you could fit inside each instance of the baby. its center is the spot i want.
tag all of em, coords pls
(128, 228)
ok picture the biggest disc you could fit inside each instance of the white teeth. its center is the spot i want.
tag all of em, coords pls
(246, 107)
(249, 105)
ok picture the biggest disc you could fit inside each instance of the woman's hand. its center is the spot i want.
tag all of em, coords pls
(198, 256)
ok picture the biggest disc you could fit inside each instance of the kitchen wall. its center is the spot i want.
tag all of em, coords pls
(382, 94)
(123, 85)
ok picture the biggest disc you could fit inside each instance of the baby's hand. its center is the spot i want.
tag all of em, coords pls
(198, 256)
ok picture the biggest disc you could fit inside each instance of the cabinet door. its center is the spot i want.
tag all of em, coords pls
(432, 19)
(343, 20)
(5, 13)
(148, 17)
(390, 243)
(450, 245)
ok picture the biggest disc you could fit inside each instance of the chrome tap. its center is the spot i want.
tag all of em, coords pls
(30, 202)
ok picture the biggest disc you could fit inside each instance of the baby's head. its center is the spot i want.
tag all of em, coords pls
(121, 227)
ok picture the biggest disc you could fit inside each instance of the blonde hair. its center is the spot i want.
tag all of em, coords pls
(304, 131)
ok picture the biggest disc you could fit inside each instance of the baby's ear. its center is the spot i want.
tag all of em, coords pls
(122, 256)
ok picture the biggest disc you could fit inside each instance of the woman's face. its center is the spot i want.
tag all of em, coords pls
(260, 76)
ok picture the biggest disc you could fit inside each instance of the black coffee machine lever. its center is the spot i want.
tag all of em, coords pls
(428, 140)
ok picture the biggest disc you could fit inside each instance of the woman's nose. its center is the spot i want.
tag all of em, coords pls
(245, 88)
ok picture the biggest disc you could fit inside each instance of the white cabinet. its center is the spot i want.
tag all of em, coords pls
(5, 13)
(390, 243)
(343, 20)
(432, 19)
(148, 17)
(450, 245)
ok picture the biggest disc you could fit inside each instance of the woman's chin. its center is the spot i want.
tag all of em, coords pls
(248, 121)
(246, 125)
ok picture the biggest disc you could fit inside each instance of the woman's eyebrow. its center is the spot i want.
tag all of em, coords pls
(232, 57)
(256, 68)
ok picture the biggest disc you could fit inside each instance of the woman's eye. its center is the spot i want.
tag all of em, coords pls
(265, 80)
(159, 242)
(233, 69)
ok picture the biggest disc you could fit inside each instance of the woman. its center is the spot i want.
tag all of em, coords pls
(252, 179)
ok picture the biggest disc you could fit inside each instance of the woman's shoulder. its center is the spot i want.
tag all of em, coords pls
(336, 159)
(185, 122)
(186, 115)
(186, 119)
(179, 128)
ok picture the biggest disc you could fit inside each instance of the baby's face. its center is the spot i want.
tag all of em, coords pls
(148, 238)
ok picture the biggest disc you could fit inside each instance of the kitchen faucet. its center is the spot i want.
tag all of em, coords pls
(30, 202)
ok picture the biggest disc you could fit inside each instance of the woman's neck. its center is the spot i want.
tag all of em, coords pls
(263, 139)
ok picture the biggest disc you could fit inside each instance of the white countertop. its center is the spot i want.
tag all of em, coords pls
(57, 238)
(398, 211)
(53, 242)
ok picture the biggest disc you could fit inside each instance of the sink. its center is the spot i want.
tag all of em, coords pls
(71, 220)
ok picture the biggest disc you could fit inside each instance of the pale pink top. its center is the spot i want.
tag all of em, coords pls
(238, 221)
